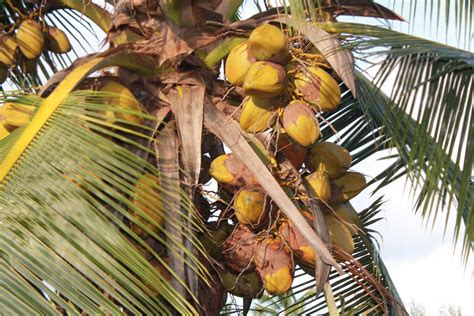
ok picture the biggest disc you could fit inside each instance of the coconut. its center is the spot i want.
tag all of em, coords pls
(268, 42)
(16, 115)
(300, 123)
(30, 39)
(329, 157)
(247, 284)
(257, 115)
(301, 248)
(265, 80)
(147, 198)
(339, 234)
(239, 249)
(238, 63)
(351, 184)
(290, 150)
(251, 206)
(123, 99)
(57, 40)
(347, 213)
(4, 132)
(8, 50)
(274, 264)
(320, 184)
(229, 171)
(318, 88)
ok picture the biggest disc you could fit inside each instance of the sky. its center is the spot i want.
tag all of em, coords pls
(421, 260)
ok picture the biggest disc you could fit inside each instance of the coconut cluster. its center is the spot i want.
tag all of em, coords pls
(25, 44)
(285, 93)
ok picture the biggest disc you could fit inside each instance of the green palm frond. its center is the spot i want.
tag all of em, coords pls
(440, 16)
(64, 206)
(427, 117)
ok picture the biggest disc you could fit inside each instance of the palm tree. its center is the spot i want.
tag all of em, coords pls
(104, 158)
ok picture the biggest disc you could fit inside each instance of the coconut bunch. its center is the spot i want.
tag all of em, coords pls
(285, 91)
(24, 45)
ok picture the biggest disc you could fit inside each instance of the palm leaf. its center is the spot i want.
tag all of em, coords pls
(63, 196)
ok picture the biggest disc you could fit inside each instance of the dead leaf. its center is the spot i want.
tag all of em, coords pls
(363, 8)
(321, 270)
(166, 147)
(187, 105)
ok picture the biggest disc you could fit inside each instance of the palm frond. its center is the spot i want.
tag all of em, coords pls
(441, 16)
(64, 205)
(427, 118)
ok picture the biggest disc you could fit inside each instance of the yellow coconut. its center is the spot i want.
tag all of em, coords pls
(268, 42)
(147, 198)
(16, 115)
(347, 213)
(8, 50)
(219, 171)
(251, 206)
(300, 123)
(301, 248)
(318, 88)
(274, 264)
(279, 282)
(257, 115)
(265, 80)
(238, 63)
(30, 39)
(3, 132)
(229, 171)
(58, 42)
(339, 234)
(123, 100)
(351, 184)
(329, 157)
(319, 182)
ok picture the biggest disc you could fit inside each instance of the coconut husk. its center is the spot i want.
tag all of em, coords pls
(240, 175)
(274, 263)
(239, 249)
(301, 248)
